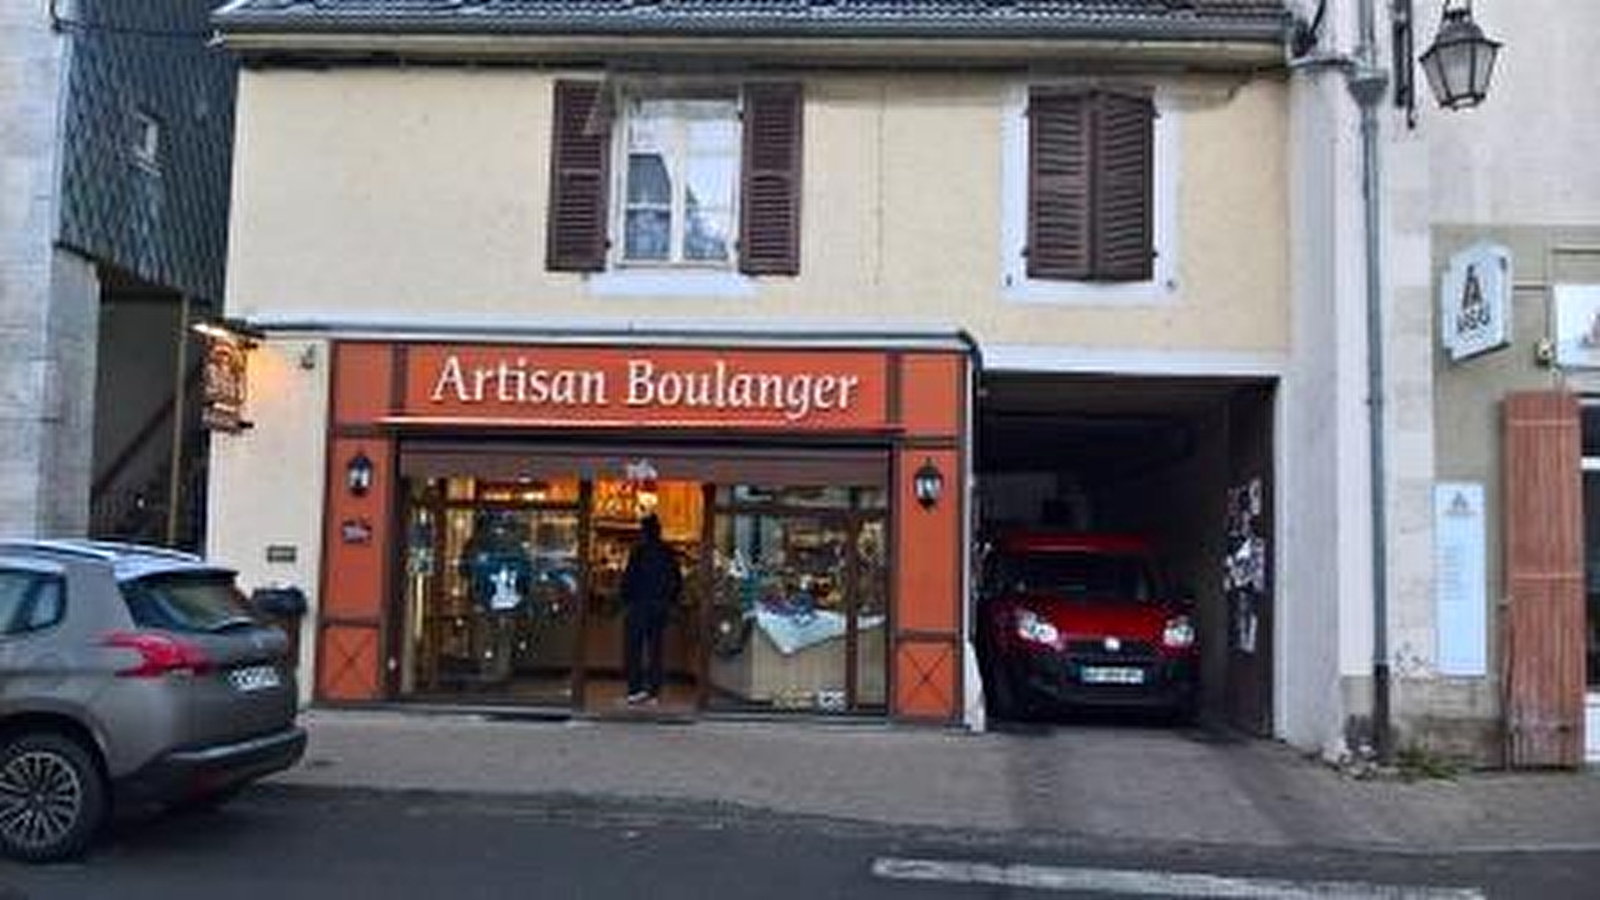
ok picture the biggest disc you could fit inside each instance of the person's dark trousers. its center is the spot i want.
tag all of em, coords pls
(642, 651)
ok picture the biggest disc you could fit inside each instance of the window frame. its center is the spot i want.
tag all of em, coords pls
(677, 165)
(583, 218)
(1163, 287)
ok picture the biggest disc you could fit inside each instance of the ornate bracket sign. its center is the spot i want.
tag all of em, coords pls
(222, 392)
(1475, 301)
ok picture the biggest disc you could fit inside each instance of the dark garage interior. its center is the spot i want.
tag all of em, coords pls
(1162, 457)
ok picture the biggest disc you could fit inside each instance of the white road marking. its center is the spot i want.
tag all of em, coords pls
(1153, 884)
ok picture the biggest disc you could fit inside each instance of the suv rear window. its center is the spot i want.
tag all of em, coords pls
(1097, 576)
(190, 601)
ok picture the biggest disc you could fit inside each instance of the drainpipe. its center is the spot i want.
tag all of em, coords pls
(180, 417)
(1367, 85)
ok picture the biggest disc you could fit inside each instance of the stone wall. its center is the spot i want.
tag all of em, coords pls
(31, 59)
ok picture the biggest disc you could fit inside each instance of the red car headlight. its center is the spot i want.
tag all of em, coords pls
(1179, 633)
(1036, 629)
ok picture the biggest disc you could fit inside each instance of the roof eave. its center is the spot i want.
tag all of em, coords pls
(1209, 52)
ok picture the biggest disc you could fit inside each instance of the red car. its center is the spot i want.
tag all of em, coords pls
(1075, 619)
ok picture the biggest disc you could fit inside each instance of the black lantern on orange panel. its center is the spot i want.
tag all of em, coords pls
(927, 484)
(358, 474)
(1461, 60)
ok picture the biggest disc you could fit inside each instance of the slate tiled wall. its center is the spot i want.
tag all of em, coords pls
(168, 223)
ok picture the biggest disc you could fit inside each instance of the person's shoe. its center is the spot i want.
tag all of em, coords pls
(650, 700)
(638, 697)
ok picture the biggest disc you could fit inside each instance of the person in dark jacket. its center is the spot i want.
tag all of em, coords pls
(650, 586)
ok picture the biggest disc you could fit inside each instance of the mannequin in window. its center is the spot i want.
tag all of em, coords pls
(498, 567)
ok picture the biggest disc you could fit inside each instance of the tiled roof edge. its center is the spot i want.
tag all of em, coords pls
(1250, 24)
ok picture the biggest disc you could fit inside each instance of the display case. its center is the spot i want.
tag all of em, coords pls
(793, 590)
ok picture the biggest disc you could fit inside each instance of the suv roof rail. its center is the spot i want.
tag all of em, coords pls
(102, 551)
(122, 548)
(62, 547)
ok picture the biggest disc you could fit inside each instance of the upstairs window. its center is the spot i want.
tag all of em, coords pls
(1090, 184)
(703, 180)
(681, 171)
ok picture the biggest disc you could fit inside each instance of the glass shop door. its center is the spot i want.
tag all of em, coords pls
(611, 530)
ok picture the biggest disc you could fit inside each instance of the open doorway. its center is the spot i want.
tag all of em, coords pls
(1183, 465)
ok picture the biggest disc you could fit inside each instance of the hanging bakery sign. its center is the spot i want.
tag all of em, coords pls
(818, 389)
(1475, 301)
(222, 386)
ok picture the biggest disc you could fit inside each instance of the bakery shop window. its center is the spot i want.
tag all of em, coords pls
(799, 615)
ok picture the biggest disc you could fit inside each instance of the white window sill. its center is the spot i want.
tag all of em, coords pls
(671, 283)
(1088, 293)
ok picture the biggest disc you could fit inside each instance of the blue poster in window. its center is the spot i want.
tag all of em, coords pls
(1460, 579)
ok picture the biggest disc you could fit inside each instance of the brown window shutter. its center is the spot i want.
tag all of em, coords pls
(1059, 132)
(769, 233)
(1543, 632)
(579, 171)
(1122, 176)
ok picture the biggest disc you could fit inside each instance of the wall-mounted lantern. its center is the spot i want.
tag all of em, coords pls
(358, 474)
(927, 483)
(1458, 64)
(1461, 60)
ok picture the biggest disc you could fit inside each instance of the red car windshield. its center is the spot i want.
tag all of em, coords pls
(1075, 575)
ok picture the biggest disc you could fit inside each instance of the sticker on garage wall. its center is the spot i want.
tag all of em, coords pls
(1244, 567)
(1475, 301)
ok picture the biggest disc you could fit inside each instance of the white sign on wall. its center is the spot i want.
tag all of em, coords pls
(1460, 573)
(1577, 315)
(1475, 301)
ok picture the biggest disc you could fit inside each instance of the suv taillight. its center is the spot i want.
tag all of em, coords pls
(160, 654)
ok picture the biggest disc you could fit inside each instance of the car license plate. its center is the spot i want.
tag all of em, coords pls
(254, 678)
(1112, 675)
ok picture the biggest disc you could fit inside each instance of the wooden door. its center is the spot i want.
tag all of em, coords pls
(1543, 657)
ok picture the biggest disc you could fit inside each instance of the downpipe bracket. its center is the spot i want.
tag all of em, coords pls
(1367, 85)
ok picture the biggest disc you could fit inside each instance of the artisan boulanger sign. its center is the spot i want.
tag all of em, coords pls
(752, 387)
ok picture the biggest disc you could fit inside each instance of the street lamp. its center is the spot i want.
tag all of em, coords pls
(1461, 60)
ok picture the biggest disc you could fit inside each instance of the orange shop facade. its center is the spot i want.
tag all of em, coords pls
(481, 498)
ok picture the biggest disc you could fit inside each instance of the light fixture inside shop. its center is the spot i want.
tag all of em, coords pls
(1461, 60)
(358, 474)
(928, 484)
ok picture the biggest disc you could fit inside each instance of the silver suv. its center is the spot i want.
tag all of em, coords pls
(131, 678)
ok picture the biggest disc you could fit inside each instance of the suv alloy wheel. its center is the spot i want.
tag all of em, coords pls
(52, 799)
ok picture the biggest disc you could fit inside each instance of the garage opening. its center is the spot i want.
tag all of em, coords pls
(1103, 465)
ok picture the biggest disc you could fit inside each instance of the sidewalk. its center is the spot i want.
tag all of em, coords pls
(1089, 782)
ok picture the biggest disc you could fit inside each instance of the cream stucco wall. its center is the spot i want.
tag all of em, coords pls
(383, 193)
(267, 481)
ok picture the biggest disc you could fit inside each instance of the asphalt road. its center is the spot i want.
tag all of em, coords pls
(285, 842)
